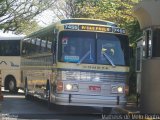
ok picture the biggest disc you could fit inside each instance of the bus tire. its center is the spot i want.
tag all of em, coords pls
(12, 85)
(49, 105)
(48, 94)
(27, 97)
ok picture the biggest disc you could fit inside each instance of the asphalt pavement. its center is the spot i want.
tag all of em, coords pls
(16, 107)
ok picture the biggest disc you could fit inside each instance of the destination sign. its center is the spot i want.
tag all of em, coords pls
(94, 28)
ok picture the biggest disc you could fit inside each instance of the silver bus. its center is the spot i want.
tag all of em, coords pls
(77, 62)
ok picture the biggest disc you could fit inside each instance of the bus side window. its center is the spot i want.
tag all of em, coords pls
(38, 45)
(17, 48)
(25, 49)
(46, 45)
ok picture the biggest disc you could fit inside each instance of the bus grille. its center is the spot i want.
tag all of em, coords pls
(92, 76)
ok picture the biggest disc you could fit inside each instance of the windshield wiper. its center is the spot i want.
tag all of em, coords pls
(81, 60)
(108, 58)
(85, 55)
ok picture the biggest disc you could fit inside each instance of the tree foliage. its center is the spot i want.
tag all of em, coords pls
(27, 27)
(15, 13)
(119, 11)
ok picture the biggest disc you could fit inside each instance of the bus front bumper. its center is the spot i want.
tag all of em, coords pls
(92, 100)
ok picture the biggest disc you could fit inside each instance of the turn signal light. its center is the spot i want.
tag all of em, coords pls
(126, 89)
(59, 86)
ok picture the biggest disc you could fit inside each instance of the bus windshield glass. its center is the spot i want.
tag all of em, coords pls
(109, 50)
(93, 48)
(9, 47)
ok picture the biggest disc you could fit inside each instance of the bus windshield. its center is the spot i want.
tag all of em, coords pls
(109, 50)
(93, 48)
(9, 47)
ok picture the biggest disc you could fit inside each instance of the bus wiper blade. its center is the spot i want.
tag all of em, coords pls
(86, 54)
(109, 59)
(81, 60)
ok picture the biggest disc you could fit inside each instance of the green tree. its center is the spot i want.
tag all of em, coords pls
(27, 27)
(15, 13)
(118, 11)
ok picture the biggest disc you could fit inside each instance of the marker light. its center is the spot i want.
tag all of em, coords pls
(126, 89)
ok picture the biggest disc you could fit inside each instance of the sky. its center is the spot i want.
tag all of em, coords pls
(8, 34)
(44, 19)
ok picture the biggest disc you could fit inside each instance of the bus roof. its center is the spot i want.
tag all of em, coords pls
(89, 21)
(11, 38)
(73, 20)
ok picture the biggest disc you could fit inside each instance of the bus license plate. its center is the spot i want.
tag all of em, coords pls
(95, 88)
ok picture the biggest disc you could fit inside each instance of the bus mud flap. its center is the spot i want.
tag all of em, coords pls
(117, 100)
(70, 98)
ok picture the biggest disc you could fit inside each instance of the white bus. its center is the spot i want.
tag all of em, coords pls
(10, 62)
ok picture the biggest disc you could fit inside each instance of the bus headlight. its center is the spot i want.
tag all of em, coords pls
(68, 87)
(71, 87)
(117, 89)
(120, 89)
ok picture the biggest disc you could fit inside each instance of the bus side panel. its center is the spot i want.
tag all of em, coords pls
(36, 81)
(10, 66)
